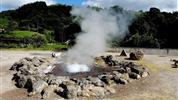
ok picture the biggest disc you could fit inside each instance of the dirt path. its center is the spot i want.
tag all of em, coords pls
(162, 84)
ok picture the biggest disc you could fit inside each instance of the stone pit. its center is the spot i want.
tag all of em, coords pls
(96, 80)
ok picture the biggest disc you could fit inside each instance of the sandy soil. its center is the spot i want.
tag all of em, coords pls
(162, 84)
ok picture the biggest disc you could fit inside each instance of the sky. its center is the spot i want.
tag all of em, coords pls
(163, 5)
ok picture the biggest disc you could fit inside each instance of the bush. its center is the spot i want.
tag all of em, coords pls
(36, 40)
(144, 40)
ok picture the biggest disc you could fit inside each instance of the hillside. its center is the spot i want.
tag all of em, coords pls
(152, 29)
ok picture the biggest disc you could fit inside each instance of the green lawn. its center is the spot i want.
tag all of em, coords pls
(21, 34)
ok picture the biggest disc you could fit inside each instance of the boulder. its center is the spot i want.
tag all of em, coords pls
(83, 82)
(36, 62)
(134, 75)
(73, 90)
(55, 80)
(21, 81)
(138, 70)
(99, 62)
(125, 76)
(28, 59)
(16, 66)
(137, 55)
(96, 81)
(70, 91)
(99, 91)
(20, 63)
(109, 60)
(110, 89)
(28, 70)
(91, 90)
(84, 93)
(107, 79)
(47, 92)
(144, 74)
(38, 87)
(123, 81)
(123, 53)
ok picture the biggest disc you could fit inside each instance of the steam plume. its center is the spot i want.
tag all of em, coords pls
(98, 27)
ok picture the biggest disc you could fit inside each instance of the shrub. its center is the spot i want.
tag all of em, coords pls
(36, 40)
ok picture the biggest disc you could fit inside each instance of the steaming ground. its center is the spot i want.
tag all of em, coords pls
(74, 68)
(160, 85)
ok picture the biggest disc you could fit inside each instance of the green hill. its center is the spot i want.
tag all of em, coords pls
(153, 28)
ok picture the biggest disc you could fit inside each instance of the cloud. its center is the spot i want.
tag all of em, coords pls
(164, 5)
(12, 4)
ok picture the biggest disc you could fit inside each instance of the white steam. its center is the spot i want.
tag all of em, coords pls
(98, 27)
(74, 68)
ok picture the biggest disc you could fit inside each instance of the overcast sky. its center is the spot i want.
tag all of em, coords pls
(164, 5)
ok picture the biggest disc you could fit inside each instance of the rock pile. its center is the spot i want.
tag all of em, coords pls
(28, 75)
(137, 55)
(109, 60)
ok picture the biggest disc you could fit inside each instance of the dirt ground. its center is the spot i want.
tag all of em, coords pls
(162, 84)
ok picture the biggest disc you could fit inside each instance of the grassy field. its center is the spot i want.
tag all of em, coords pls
(52, 47)
(25, 35)
(19, 34)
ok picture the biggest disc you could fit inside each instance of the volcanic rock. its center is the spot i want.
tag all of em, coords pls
(138, 55)
(21, 81)
(30, 75)
(123, 53)
(109, 60)
(73, 90)
(99, 62)
(16, 66)
(107, 79)
(28, 70)
(24, 81)
(84, 93)
(47, 92)
(125, 76)
(123, 81)
(99, 91)
(36, 62)
(53, 80)
(69, 91)
(144, 74)
(91, 90)
(110, 89)
(38, 87)
(138, 70)
(96, 81)
(121, 78)
(134, 75)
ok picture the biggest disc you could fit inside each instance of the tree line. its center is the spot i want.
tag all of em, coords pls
(152, 29)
